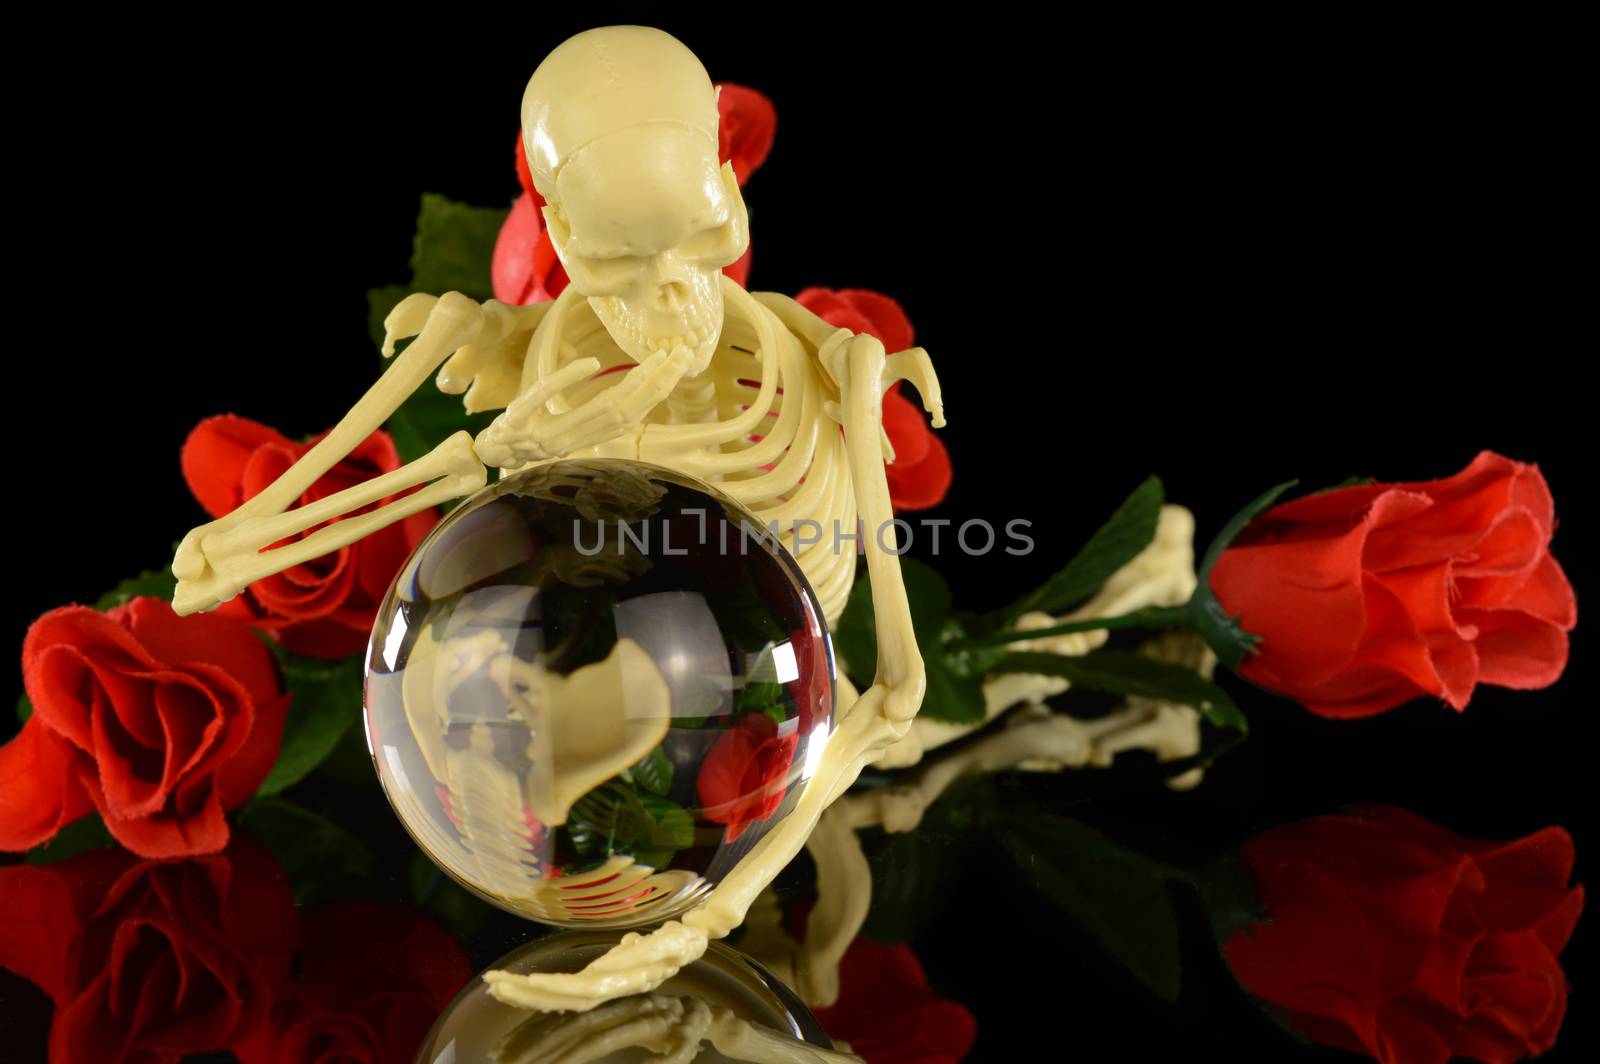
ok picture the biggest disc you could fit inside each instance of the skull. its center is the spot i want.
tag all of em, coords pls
(620, 127)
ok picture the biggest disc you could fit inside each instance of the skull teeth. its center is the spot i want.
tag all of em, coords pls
(697, 333)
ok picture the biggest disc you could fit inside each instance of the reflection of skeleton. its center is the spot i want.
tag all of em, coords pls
(1034, 739)
(624, 700)
(676, 1028)
(1161, 575)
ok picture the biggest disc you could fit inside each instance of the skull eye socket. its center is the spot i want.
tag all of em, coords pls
(716, 247)
(602, 277)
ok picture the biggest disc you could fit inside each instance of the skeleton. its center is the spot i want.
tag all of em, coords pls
(1034, 738)
(651, 354)
(675, 1028)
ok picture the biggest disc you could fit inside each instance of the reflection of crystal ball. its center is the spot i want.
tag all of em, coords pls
(477, 1027)
(593, 688)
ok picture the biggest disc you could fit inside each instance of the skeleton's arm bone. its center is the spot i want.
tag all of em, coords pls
(218, 560)
(234, 558)
(490, 372)
(844, 895)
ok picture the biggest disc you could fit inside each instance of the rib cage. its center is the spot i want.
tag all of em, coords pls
(763, 436)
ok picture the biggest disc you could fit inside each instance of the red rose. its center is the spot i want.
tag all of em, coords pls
(161, 722)
(376, 976)
(525, 268)
(1367, 597)
(325, 607)
(744, 777)
(889, 1015)
(1390, 936)
(747, 122)
(919, 477)
(151, 960)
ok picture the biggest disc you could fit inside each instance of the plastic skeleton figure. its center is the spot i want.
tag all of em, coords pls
(748, 391)
(620, 128)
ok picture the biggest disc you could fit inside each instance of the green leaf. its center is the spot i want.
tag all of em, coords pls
(80, 836)
(380, 301)
(914, 875)
(1228, 890)
(1206, 615)
(24, 709)
(1129, 531)
(428, 418)
(1119, 898)
(452, 251)
(612, 819)
(156, 583)
(350, 762)
(454, 246)
(318, 857)
(758, 696)
(955, 689)
(1347, 482)
(952, 695)
(1125, 673)
(674, 828)
(855, 640)
(327, 701)
(654, 773)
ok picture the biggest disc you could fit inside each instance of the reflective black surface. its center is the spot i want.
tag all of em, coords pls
(1148, 249)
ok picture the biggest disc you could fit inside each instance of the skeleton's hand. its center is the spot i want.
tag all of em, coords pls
(636, 965)
(528, 432)
(200, 585)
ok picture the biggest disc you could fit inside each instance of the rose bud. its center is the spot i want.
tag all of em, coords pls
(1366, 597)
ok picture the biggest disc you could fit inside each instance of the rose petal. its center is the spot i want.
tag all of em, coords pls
(37, 926)
(214, 456)
(39, 788)
(207, 639)
(923, 485)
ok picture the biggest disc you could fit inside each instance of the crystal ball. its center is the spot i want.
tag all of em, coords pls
(593, 688)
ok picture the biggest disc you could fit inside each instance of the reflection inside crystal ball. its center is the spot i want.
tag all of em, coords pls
(593, 688)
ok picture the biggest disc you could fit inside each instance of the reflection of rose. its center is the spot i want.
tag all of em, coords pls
(525, 268)
(151, 960)
(325, 607)
(1391, 936)
(743, 778)
(889, 1014)
(376, 976)
(1367, 597)
(919, 477)
(161, 722)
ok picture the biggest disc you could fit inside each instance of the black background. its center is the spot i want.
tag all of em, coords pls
(1230, 254)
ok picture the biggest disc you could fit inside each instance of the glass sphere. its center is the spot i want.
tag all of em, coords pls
(477, 1027)
(593, 688)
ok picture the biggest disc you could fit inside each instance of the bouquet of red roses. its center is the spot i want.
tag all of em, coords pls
(170, 778)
